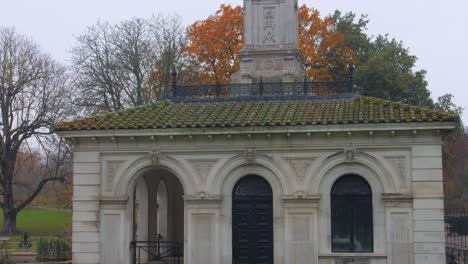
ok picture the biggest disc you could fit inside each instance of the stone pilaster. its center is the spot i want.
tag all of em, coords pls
(399, 228)
(86, 189)
(202, 221)
(115, 234)
(301, 223)
(428, 204)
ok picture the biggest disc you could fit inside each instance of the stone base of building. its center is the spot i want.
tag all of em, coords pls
(256, 64)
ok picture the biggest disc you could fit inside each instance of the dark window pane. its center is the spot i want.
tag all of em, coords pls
(342, 227)
(351, 215)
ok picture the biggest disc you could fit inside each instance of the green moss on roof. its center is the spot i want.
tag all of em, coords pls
(163, 115)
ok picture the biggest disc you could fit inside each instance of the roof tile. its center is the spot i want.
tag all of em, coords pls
(163, 115)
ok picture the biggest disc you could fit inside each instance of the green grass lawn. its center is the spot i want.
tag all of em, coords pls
(41, 221)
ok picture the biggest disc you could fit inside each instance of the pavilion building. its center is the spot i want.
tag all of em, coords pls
(269, 169)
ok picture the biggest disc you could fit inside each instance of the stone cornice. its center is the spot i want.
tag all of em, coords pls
(114, 202)
(397, 200)
(259, 130)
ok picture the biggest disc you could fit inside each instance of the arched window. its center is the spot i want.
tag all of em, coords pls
(351, 215)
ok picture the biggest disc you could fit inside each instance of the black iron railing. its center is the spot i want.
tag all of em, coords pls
(456, 236)
(261, 90)
(285, 90)
(167, 252)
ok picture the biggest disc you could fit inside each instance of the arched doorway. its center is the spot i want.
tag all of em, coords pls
(252, 221)
(158, 218)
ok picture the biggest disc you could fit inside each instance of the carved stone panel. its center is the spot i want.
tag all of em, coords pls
(400, 164)
(112, 168)
(269, 26)
(203, 167)
(401, 248)
(301, 166)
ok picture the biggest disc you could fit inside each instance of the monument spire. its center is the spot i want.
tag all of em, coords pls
(271, 36)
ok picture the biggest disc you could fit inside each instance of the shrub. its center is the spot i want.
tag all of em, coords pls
(41, 248)
(53, 248)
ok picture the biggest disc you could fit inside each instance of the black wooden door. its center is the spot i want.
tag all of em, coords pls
(252, 221)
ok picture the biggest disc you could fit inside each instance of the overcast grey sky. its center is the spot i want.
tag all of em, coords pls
(436, 31)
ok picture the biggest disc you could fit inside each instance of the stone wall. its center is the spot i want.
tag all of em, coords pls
(403, 169)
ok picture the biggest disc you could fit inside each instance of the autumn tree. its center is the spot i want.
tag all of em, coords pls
(323, 47)
(213, 45)
(33, 97)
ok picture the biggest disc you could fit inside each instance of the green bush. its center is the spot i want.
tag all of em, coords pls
(53, 249)
(41, 248)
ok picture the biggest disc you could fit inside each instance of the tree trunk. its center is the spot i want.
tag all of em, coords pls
(9, 212)
(9, 222)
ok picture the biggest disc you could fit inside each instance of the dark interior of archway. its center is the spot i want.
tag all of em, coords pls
(175, 206)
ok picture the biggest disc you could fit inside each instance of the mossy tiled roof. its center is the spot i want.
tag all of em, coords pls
(163, 115)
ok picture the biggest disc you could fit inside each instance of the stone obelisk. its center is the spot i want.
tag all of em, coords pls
(271, 49)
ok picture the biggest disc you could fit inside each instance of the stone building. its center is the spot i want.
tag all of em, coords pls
(257, 173)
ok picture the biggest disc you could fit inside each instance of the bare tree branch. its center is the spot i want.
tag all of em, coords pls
(33, 97)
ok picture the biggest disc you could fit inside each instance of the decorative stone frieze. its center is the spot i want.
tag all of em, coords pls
(397, 200)
(114, 202)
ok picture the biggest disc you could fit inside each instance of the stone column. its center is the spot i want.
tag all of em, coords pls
(116, 221)
(301, 223)
(399, 215)
(271, 37)
(86, 186)
(203, 217)
(428, 205)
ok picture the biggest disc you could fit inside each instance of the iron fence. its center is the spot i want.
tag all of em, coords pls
(280, 90)
(456, 236)
(165, 252)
